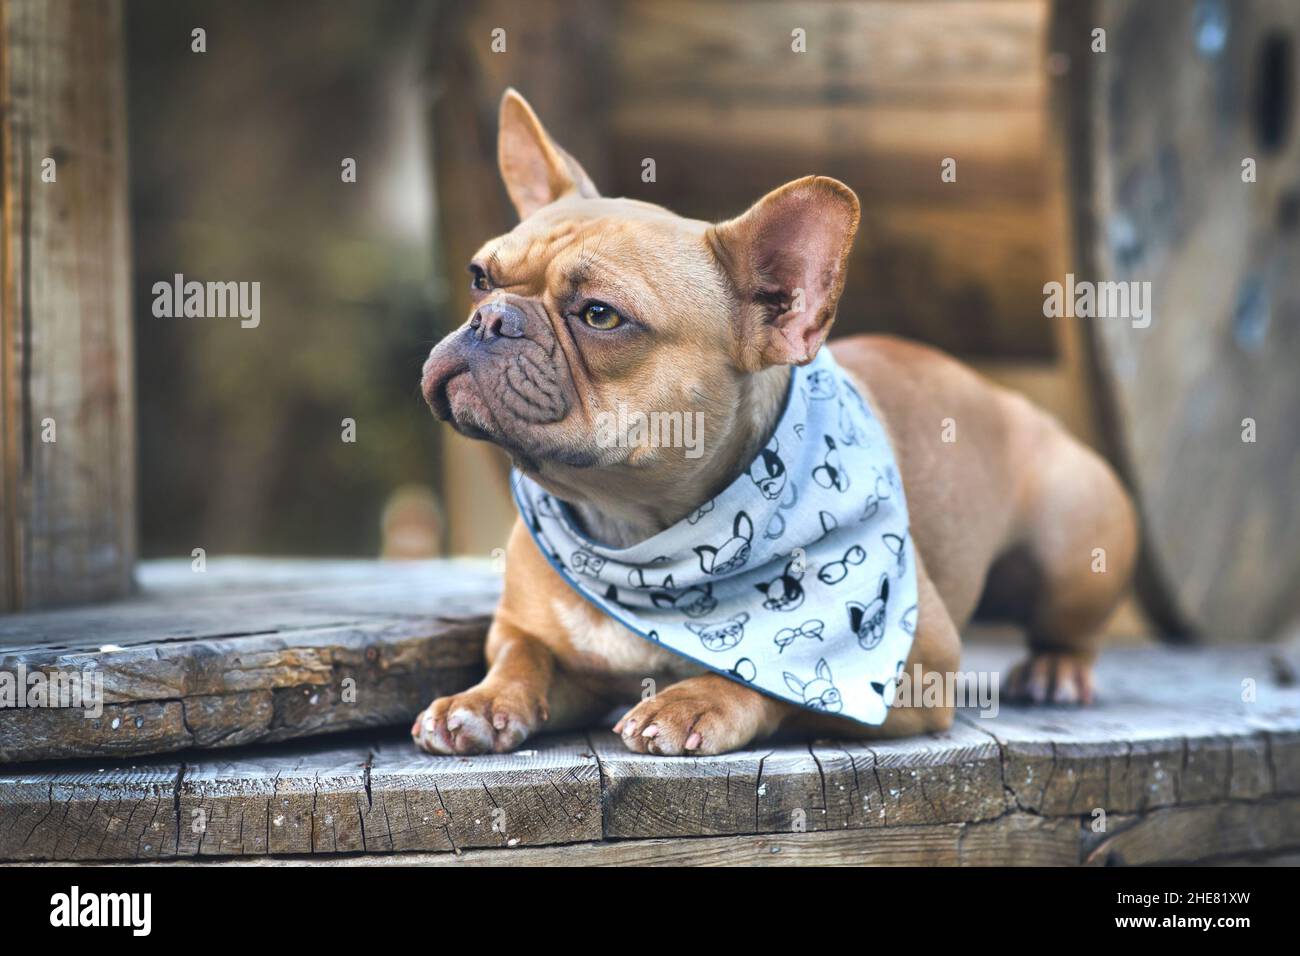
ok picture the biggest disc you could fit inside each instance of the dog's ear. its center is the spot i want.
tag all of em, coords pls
(787, 257)
(535, 169)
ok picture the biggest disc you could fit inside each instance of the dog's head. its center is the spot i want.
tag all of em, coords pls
(592, 307)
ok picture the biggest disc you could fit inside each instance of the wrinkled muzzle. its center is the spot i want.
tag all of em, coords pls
(502, 376)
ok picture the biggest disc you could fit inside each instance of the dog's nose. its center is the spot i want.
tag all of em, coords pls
(498, 320)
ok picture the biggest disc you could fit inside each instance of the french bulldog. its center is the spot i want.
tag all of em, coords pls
(590, 302)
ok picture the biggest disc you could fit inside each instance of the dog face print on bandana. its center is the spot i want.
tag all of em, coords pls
(797, 580)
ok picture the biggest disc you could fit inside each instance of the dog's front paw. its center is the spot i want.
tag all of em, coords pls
(1052, 677)
(702, 715)
(480, 720)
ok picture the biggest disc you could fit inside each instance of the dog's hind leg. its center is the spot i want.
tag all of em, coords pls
(1078, 533)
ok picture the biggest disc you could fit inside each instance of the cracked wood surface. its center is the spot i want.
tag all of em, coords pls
(251, 651)
(1181, 766)
(319, 797)
(1173, 727)
(944, 778)
(1190, 754)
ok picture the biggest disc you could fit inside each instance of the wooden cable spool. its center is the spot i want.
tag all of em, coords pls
(1162, 131)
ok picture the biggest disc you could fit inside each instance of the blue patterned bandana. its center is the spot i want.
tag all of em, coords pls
(797, 580)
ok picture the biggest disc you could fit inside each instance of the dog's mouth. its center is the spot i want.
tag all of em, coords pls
(436, 395)
(451, 393)
(455, 399)
(509, 396)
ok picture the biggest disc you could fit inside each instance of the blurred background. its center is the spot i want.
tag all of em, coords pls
(235, 174)
(1100, 138)
(234, 171)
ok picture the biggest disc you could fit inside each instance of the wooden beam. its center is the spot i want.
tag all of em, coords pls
(67, 442)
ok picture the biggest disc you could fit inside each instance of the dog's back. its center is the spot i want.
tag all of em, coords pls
(990, 479)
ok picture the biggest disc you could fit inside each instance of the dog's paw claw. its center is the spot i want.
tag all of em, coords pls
(1052, 677)
(479, 720)
(684, 720)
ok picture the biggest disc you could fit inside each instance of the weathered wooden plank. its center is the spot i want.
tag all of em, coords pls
(1018, 839)
(1021, 839)
(248, 575)
(67, 417)
(548, 792)
(916, 228)
(773, 789)
(1000, 151)
(954, 54)
(271, 687)
(256, 652)
(880, 96)
(1282, 763)
(308, 800)
(239, 596)
(1170, 728)
(939, 778)
(89, 812)
(316, 798)
(385, 797)
(1173, 729)
(1290, 858)
(1193, 834)
(903, 846)
(1058, 763)
(948, 777)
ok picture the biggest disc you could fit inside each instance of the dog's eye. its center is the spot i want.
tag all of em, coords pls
(479, 279)
(600, 316)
